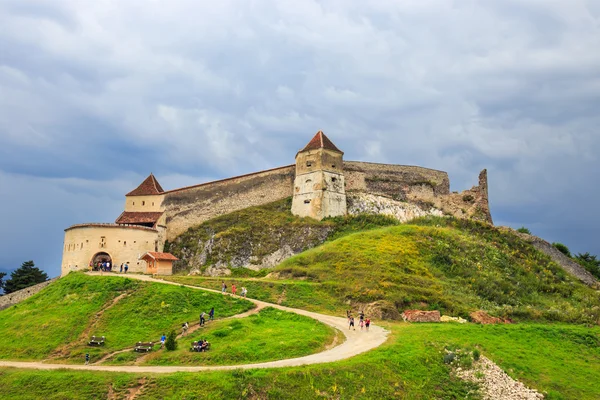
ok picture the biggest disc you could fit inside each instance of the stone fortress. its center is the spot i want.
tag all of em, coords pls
(320, 183)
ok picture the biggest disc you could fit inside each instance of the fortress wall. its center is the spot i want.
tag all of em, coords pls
(123, 243)
(193, 205)
(16, 297)
(395, 181)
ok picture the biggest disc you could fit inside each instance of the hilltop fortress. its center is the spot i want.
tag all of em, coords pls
(320, 182)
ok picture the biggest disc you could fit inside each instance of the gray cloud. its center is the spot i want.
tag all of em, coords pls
(93, 90)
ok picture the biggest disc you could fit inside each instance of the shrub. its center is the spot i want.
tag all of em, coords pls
(562, 248)
(476, 355)
(171, 343)
(448, 358)
(524, 230)
(467, 198)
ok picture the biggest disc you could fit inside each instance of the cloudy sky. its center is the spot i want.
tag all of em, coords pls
(95, 95)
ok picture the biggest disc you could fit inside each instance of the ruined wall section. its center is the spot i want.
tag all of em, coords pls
(16, 297)
(424, 187)
(188, 207)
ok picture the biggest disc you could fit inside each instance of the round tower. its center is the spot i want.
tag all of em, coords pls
(319, 184)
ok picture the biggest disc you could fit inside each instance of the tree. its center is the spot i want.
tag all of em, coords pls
(589, 262)
(21, 278)
(524, 230)
(562, 248)
(171, 343)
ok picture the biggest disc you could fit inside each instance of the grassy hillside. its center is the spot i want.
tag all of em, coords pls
(58, 321)
(251, 235)
(451, 265)
(560, 360)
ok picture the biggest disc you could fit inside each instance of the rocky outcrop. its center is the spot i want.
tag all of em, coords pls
(481, 317)
(365, 203)
(421, 316)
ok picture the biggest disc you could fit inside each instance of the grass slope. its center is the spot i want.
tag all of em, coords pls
(250, 234)
(269, 335)
(450, 265)
(560, 360)
(63, 316)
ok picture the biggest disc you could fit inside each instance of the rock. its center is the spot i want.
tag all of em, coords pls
(481, 317)
(421, 316)
(447, 318)
(381, 309)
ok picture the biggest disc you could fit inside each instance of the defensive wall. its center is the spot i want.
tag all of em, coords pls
(193, 205)
(122, 243)
(13, 298)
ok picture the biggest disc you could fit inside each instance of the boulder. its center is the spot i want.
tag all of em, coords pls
(421, 316)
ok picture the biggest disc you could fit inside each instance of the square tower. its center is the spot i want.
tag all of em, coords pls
(319, 190)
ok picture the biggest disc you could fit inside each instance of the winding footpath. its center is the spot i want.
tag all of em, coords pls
(356, 342)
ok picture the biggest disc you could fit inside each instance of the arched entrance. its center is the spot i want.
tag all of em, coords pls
(100, 258)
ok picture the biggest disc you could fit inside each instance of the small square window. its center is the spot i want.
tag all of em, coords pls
(306, 201)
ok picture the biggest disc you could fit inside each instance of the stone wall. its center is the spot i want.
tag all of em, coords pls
(193, 205)
(20, 295)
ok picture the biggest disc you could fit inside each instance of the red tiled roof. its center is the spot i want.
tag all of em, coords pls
(105, 225)
(150, 186)
(138, 217)
(161, 256)
(320, 141)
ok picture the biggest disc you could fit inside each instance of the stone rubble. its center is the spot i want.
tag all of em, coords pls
(364, 203)
(495, 384)
(447, 318)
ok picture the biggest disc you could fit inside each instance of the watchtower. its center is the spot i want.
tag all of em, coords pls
(319, 185)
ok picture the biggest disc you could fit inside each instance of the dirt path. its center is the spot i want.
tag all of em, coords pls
(357, 342)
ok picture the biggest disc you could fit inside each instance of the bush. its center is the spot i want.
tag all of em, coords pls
(476, 355)
(448, 358)
(524, 230)
(562, 248)
(171, 343)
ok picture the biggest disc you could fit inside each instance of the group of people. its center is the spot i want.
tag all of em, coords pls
(105, 266)
(200, 345)
(243, 292)
(211, 316)
(362, 321)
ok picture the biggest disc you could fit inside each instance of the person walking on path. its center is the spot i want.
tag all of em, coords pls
(126, 267)
(211, 314)
(121, 269)
(223, 287)
(163, 339)
(233, 289)
(351, 325)
(244, 291)
(87, 358)
(184, 328)
(367, 324)
(202, 318)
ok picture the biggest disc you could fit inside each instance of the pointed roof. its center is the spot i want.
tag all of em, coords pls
(149, 187)
(320, 141)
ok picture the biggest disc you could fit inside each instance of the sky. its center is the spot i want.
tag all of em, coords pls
(96, 95)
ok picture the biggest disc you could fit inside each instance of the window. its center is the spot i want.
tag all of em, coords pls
(333, 179)
(143, 203)
(152, 204)
(82, 245)
(133, 203)
(124, 243)
(333, 166)
(309, 163)
(306, 201)
(308, 181)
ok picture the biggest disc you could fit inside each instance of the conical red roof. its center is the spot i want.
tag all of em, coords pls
(320, 141)
(149, 187)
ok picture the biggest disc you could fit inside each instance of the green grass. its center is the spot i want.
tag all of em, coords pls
(266, 336)
(58, 316)
(560, 360)
(255, 232)
(454, 269)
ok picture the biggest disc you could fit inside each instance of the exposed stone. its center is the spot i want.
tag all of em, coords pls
(447, 318)
(382, 309)
(481, 317)
(421, 316)
(365, 203)
(495, 384)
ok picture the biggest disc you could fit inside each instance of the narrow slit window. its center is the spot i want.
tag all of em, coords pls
(306, 201)
(143, 203)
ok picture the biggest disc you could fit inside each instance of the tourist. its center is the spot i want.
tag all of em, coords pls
(204, 345)
(202, 318)
(184, 328)
(163, 339)
(87, 358)
(108, 266)
(126, 267)
(211, 314)
(223, 287)
(244, 291)
(233, 289)
(121, 269)
(361, 323)
(367, 324)
(351, 325)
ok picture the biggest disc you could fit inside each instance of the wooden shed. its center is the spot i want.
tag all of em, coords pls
(159, 263)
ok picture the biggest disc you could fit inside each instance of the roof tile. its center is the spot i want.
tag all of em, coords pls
(149, 187)
(320, 141)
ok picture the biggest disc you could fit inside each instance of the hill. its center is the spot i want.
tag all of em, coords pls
(455, 266)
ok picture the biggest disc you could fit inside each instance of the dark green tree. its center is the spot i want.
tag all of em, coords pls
(171, 343)
(562, 248)
(21, 278)
(589, 262)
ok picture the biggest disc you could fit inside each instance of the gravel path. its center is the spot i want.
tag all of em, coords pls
(357, 342)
